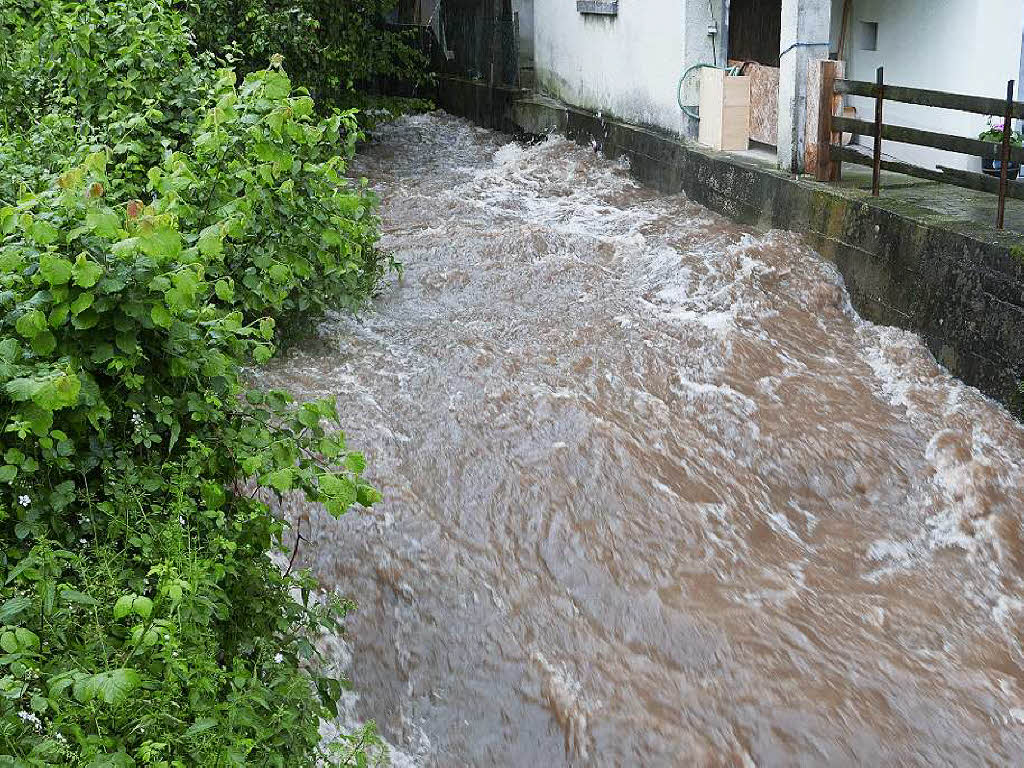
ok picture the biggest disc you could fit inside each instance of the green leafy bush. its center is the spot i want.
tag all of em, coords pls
(262, 187)
(332, 48)
(124, 72)
(142, 619)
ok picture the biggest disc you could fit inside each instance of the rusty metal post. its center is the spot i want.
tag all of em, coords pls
(876, 173)
(1005, 155)
(826, 170)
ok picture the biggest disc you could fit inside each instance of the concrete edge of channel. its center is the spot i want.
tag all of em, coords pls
(960, 287)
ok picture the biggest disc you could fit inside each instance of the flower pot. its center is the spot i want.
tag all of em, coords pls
(995, 167)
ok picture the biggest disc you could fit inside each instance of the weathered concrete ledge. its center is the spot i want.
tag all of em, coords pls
(489, 106)
(958, 284)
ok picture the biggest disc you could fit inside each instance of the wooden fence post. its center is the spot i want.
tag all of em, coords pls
(827, 170)
(876, 173)
(1005, 155)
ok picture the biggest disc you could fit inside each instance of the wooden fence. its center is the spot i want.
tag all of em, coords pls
(831, 153)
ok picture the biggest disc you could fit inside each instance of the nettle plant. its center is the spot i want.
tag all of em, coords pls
(142, 620)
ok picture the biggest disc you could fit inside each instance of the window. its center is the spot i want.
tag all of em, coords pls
(867, 36)
(598, 7)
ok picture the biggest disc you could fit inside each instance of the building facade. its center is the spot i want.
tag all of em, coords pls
(959, 46)
(625, 58)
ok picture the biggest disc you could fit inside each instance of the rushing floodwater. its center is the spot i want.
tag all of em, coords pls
(655, 494)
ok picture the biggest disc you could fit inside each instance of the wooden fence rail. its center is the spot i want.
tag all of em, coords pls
(979, 105)
(831, 155)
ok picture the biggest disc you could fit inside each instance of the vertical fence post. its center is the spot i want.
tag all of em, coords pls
(1005, 155)
(876, 172)
(826, 170)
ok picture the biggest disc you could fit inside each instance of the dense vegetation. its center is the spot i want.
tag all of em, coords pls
(336, 49)
(163, 223)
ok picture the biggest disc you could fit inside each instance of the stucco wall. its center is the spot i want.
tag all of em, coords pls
(626, 65)
(961, 46)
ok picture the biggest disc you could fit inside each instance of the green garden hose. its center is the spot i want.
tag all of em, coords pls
(689, 109)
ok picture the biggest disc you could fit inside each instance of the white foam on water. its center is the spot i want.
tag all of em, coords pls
(337, 657)
(336, 661)
(846, 443)
(569, 704)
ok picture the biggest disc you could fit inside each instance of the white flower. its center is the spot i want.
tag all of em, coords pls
(83, 541)
(24, 500)
(137, 419)
(278, 658)
(60, 738)
(30, 717)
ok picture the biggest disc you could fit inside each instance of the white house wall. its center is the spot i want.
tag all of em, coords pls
(627, 66)
(960, 46)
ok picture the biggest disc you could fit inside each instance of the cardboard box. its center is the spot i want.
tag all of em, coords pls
(724, 111)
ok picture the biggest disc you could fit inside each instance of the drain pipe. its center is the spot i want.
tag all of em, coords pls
(726, 11)
(1020, 80)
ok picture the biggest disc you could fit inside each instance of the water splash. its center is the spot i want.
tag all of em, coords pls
(654, 493)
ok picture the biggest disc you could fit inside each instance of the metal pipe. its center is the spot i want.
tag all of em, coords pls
(726, 15)
(876, 171)
(1004, 165)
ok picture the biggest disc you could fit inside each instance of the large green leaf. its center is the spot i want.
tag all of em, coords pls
(13, 607)
(43, 232)
(103, 223)
(161, 243)
(51, 392)
(133, 604)
(111, 687)
(31, 323)
(85, 272)
(54, 269)
(277, 84)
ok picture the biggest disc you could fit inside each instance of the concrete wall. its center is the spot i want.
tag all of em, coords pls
(626, 65)
(961, 46)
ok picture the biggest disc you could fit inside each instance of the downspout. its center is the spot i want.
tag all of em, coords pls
(726, 10)
(1020, 68)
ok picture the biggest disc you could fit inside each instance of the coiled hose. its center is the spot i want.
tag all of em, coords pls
(689, 109)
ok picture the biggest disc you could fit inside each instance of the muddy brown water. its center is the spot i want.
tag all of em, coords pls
(655, 495)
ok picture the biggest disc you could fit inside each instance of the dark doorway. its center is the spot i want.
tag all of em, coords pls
(755, 29)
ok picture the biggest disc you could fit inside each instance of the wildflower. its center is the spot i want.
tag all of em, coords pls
(276, 61)
(137, 419)
(30, 717)
(24, 500)
(278, 658)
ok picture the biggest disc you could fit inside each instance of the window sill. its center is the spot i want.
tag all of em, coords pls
(598, 7)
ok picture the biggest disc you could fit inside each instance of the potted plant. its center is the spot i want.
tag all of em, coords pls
(994, 133)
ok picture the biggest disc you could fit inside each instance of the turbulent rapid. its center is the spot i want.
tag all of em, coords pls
(655, 495)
